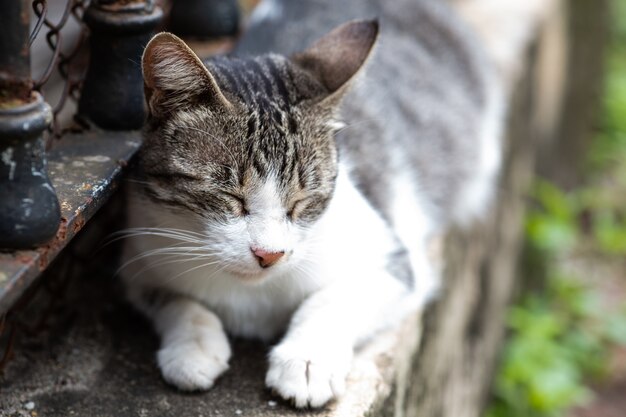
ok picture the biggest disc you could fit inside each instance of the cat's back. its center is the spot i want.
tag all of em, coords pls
(426, 111)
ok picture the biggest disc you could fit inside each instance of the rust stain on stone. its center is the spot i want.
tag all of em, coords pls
(62, 232)
(48, 251)
(78, 224)
(23, 258)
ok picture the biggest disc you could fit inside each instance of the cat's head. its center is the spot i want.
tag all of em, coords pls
(244, 148)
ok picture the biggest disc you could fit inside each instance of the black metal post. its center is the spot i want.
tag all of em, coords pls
(29, 209)
(112, 94)
(204, 18)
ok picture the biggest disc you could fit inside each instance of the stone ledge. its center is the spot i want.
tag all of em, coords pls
(95, 357)
(85, 170)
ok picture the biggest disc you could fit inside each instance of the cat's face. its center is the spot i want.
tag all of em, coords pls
(244, 149)
(250, 184)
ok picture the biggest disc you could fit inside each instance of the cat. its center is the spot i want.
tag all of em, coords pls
(292, 188)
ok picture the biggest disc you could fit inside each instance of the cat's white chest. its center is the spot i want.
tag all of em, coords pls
(247, 309)
(257, 311)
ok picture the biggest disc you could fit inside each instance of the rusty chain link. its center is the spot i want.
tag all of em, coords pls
(65, 63)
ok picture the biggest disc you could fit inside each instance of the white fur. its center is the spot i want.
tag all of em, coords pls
(267, 224)
(310, 364)
(414, 227)
(334, 277)
(194, 348)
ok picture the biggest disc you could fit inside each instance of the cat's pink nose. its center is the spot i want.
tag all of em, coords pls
(265, 258)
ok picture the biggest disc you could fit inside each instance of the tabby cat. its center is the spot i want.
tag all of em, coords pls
(292, 193)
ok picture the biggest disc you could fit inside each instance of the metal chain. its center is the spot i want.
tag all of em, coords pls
(63, 62)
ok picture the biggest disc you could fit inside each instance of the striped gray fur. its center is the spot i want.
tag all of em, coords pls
(271, 134)
(419, 107)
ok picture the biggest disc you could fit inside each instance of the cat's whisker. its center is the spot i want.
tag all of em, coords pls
(159, 263)
(195, 268)
(151, 266)
(306, 271)
(174, 234)
(167, 251)
(162, 230)
(175, 250)
(136, 181)
(220, 269)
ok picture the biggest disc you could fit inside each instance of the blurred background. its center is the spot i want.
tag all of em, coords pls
(565, 351)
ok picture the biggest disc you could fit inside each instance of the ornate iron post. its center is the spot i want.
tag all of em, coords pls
(204, 18)
(112, 95)
(29, 209)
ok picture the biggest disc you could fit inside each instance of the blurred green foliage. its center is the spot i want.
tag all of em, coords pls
(560, 336)
(594, 215)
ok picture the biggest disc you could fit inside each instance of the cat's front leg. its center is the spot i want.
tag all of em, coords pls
(310, 365)
(194, 347)
(309, 373)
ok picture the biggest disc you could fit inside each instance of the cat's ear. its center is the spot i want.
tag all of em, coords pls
(339, 55)
(174, 76)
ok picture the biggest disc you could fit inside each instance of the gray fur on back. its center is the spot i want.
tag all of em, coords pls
(420, 107)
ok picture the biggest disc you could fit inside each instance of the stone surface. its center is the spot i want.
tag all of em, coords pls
(80, 350)
(85, 170)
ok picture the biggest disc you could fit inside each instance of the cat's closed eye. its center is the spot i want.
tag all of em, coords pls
(170, 177)
(296, 208)
(237, 204)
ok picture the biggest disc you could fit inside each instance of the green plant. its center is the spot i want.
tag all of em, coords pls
(560, 335)
(559, 338)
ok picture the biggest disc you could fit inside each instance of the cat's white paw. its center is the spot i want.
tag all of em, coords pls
(306, 374)
(194, 364)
